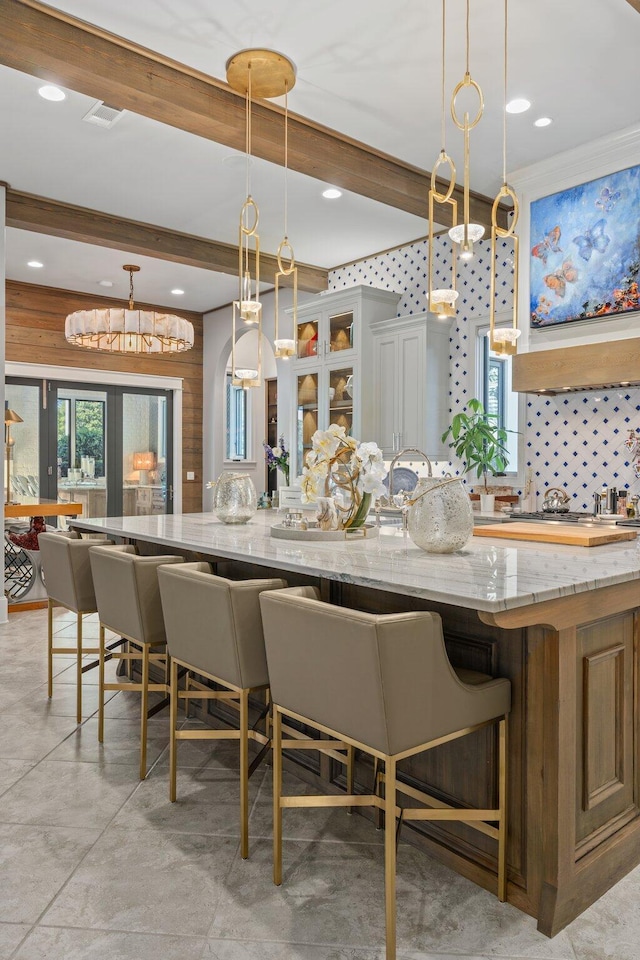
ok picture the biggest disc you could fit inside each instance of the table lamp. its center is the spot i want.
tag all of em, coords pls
(10, 417)
(143, 462)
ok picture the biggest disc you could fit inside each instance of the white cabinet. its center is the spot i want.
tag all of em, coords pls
(329, 382)
(407, 403)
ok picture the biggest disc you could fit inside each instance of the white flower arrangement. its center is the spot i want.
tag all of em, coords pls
(340, 465)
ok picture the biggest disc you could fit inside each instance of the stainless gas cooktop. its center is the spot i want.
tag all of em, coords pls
(577, 517)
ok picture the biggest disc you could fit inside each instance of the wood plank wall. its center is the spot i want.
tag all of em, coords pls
(35, 318)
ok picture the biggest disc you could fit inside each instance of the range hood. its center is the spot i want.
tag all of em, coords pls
(589, 366)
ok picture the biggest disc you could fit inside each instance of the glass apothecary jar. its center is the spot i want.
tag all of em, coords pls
(440, 518)
(234, 498)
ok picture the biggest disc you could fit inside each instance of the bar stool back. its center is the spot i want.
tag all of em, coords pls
(384, 685)
(128, 600)
(69, 584)
(214, 629)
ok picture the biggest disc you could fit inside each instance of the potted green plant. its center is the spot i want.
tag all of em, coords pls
(477, 439)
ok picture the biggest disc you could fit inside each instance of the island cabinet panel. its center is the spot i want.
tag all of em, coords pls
(607, 740)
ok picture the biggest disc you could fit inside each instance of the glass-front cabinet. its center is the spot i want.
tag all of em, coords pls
(331, 333)
(324, 396)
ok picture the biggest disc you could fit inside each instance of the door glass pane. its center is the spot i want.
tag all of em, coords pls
(307, 418)
(24, 441)
(144, 454)
(341, 331)
(308, 338)
(341, 398)
(81, 448)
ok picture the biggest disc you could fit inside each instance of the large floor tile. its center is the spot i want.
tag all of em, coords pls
(125, 705)
(62, 704)
(610, 928)
(11, 771)
(121, 742)
(26, 738)
(10, 936)
(147, 883)
(333, 893)
(60, 794)
(35, 862)
(51, 943)
(206, 803)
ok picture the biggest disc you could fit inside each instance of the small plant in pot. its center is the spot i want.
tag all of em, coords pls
(477, 439)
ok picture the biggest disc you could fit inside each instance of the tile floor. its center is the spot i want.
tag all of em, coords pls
(95, 864)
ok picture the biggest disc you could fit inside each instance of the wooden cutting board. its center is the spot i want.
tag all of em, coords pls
(569, 533)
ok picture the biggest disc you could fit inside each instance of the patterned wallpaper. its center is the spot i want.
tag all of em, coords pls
(573, 441)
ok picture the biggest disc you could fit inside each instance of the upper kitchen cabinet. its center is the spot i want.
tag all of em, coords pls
(330, 383)
(407, 359)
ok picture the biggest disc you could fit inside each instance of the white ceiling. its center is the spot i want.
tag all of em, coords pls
(366, 68)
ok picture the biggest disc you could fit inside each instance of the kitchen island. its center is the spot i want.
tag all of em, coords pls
(563, 623)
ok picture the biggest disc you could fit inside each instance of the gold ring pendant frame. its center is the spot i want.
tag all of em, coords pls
(508, 345)
(442, 302)
(470, 233)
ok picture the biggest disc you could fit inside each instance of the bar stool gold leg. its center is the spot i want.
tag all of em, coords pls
(79, 670)
(390, 855)
(244, 774)
(173, 742)
(101, 686)
(50, 647)
(350, 764)
(144, 708)
(502, 806)
(277, 793)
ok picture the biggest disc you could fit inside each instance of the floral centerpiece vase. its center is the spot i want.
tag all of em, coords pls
(350, 473)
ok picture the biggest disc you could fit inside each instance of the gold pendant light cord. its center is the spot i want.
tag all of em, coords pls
(286, 159)
(130, 289)
(443, 135)
(248, 143)
(467, 34)
(504, 112)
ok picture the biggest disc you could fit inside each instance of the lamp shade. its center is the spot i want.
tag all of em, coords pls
(144, 461)
(10, 416)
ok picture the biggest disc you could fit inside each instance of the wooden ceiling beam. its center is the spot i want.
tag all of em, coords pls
(58, 48)
(635, 4)
(40, 215)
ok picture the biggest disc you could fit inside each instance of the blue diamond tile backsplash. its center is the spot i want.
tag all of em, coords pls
(574, 441)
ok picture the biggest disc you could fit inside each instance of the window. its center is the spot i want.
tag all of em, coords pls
(493, 389)
(237, 422)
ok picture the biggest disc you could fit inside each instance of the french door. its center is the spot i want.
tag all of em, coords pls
(108, 448)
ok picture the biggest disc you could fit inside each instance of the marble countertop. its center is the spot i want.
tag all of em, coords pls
(488, 575)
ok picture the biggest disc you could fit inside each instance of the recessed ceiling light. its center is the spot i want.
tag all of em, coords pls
(519, 105)
(105, 283)
(49, 92)
(177, 292)
(331, 193)
(35, 264)
(542, 122)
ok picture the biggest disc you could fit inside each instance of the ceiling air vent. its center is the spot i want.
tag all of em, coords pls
(102, 114)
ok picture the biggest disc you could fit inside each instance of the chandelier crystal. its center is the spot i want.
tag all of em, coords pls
(121, 330)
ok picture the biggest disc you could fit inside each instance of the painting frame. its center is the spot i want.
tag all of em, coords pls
(584, 251)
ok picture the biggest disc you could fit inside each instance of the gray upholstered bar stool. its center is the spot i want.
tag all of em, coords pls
(69, 584)
(382, 684)
(214, 629)
(128, 599)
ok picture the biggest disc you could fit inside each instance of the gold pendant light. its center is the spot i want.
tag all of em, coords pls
(264, 74)
(466, 233)
(503, 340)
(286, 346)
(442, 301)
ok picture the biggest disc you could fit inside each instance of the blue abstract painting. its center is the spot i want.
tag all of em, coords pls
(585, 250)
